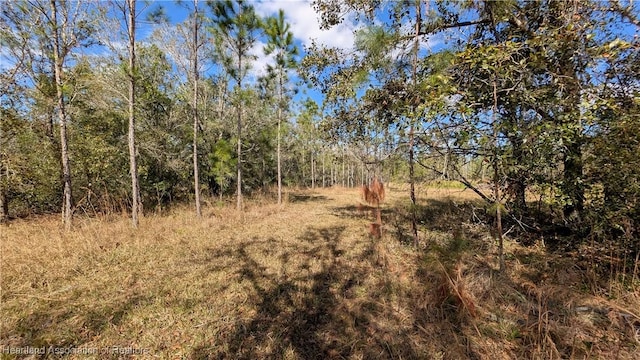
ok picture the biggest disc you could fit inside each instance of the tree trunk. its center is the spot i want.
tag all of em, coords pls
(343, 173)
(568, 77)
(572, 176)
(496, 180)
(333, 173)
(239, 147)
(517, 178)
(279, 121)
(323, 173)
(302, 166)
(412, 191)
(498, 205)
(4, 207)
(196, 177)
(313, 172)
(67, 213)
(135, 187)
(444, 175)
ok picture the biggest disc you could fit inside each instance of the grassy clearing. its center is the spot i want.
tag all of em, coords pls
(303, 281)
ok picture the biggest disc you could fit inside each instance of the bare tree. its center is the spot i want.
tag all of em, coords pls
(195, 46)
(136, 205)
(58, 58)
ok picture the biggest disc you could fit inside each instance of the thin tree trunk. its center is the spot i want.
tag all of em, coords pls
(239, 149)
(304, 173)
(67, 214)
(343, 173)
(518, 179)
(196, 177)
(323, 173)
(498, 205)
(135, 188)
(412, 191)
(496, 183)
(4, 207)
(4, 199)
(50, 128)
(313, 172)
(221, 96)
(279, 159)
(333, 173)
(444, 175)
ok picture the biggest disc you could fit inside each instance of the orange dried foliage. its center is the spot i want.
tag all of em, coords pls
(373, 194)
(367, 195)
(378, 188)
(375, 230)
(455, 289)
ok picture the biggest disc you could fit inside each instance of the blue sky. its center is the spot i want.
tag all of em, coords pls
(305, 26)
(304, 21)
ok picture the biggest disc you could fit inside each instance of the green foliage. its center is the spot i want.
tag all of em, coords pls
(532, 96)
(541, 92)
(280, 41)
(235, 29)
(29, 172)
(222, 164)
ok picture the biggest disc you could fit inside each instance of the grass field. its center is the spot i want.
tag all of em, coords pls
(302, 281)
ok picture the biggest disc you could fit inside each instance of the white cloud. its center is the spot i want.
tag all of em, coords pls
(259, 66)
(305, 26)
(305, 23)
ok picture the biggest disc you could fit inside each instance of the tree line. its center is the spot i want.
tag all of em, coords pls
(531, 104)
(98, 120)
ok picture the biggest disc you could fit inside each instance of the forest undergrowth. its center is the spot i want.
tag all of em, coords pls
(306, 280)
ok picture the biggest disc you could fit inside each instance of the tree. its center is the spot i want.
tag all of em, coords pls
(44, 35)
(130, 17)
(195, 45)
(307, 138)
(236, 27)
(129, 11)
(280, 41)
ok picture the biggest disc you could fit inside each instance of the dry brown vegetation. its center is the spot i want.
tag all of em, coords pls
(374, 195)
(306, 281)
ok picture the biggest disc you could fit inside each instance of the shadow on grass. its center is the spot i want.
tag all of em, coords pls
(444, 216)
(360, 212)
(304, 198)
(60, 325)
(318, 308)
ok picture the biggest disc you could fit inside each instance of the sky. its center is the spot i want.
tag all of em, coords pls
(305, 26)
(304, 22)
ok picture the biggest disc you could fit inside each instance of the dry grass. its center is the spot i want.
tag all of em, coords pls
(297, 282)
